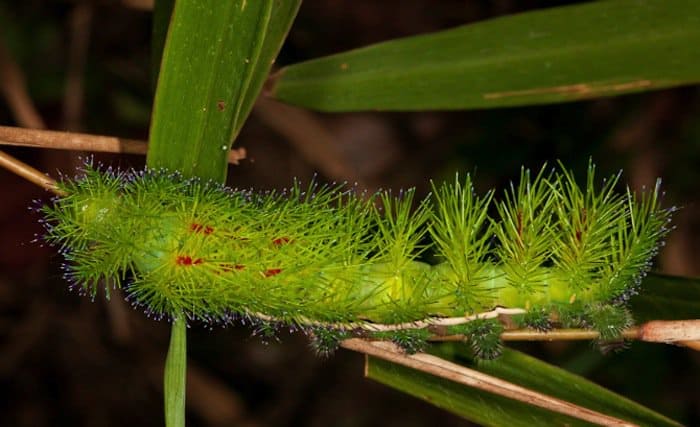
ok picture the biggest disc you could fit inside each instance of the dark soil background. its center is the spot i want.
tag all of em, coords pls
(65, 360)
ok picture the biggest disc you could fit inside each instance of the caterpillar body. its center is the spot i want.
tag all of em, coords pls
(337, 264)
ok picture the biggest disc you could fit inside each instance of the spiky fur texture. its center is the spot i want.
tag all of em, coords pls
(330, 261)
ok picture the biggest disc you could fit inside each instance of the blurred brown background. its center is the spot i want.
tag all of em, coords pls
(65, 360)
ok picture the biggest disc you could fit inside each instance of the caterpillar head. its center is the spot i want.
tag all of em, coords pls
(88, 208)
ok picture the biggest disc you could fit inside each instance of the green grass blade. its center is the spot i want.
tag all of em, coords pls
(492, 410)
(281, 17)
(554, 55)
(215, 59)
(667, 298)
(175, 375)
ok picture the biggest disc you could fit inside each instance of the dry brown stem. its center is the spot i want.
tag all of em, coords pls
(678, 332)
(83, 142)
(669, 331)
(444, 369)
(29, 173)
(69, 141)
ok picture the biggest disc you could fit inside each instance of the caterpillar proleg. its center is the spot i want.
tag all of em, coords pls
(329, 261)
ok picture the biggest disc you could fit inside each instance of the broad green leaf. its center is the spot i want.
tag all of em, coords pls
(664, 297)
(553, 55)
(215, 60)
(518, 368)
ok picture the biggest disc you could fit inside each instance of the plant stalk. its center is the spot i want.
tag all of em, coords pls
(175, 375)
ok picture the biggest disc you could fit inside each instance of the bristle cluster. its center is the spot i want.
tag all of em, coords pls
(558, 245)
(330, 261)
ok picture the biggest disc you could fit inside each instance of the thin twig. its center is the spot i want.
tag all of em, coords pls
(670, 331)
(678, 332)
(444, 369)
(29, 173)
(69, 141)
(533, 335)
(84, 142)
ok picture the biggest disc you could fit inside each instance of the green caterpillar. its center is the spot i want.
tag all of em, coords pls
(338, 264)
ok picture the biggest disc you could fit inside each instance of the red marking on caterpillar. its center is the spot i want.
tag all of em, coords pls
(187, 260)
(199, 228)
(227, 268)
(272, 272)
(281, 241)
(520, 224)
(579, 232)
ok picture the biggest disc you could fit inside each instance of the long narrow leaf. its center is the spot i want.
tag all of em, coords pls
(493, 410)
(553, 55)
(215, 59)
